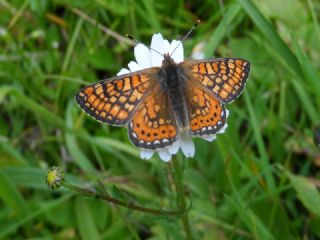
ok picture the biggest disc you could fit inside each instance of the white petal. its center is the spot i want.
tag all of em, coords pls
(166, 46)
(165, 155)
(210, 138)
(187, 146)
(223, 129)
(197, 51)
(142, 55)
(133, 66)
(156, 40)
(227, 113)
(174, 148)
(123, 71)
(198, 55)
(159, 43)
(161, 46)
(177, 55)
(146, 154)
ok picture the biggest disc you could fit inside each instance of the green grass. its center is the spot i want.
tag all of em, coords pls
(259, 180)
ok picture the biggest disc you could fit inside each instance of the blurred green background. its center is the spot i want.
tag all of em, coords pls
(259, 180)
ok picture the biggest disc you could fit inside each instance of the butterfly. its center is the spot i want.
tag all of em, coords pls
(157, 104)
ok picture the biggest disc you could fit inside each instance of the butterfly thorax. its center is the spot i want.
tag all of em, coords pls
(172, 81)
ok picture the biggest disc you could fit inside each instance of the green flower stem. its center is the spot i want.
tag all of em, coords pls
(181, 200)
(120, 202)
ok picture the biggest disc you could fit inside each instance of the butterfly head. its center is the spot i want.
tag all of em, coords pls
(167, 59)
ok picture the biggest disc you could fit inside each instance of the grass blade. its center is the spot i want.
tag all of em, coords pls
(270, 33)
(86, 224)
(222, 30)
(12, 197)
(261, 147)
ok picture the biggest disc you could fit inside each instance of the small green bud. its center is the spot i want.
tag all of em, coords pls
(54, 177)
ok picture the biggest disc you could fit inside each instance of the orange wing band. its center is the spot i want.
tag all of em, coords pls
(152, 126)
(207, 114)
(113, 101)
(225, 77)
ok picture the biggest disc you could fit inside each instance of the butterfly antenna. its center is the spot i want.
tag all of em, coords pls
(138, 42)
(186, 36)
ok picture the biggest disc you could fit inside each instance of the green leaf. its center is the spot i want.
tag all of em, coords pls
(102, 59)
(260, 144)
(307, 193)
(29, 177)
(309, 72)
(224, 27)
(196, 182)
(283, 52)
(150, 14)
(100, 211)
(252, 221)
(61, 215)
(248, 216)
(32, 105)
(114, 7)
(10, 155)
(270, 33)
(22, 221)
(4, 91)
(85, 222)
(73, 147)
(11, 196)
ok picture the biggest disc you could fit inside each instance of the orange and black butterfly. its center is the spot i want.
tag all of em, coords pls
(157, 104)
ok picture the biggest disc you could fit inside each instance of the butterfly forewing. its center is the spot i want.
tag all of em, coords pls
(224, 77)
(114, 100)
(206, 114)
(153, 125)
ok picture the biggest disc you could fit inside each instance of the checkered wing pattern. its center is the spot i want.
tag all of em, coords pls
(225, 78)
(153, 125)
(115, 100)
(207, 115)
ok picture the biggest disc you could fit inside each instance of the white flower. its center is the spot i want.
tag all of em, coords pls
(146, 58)
(198, 51)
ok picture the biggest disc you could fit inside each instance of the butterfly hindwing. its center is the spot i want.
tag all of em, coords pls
(224, 77)
(114, 100)
(153, 125)
(207, 115)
